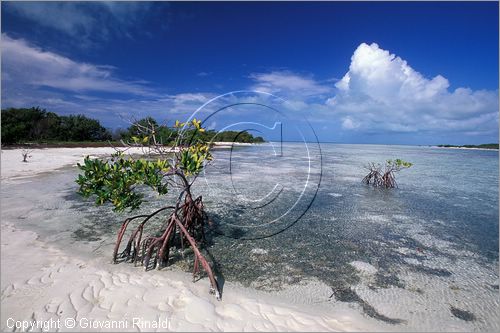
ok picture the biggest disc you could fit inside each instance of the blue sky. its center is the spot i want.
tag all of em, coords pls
(399, 73)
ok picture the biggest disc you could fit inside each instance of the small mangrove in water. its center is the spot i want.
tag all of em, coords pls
(379, 176)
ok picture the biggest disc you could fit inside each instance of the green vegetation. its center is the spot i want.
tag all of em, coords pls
(115, 180)
(36, 125)
(483, 146)
(234, 136)
(387, 177)
(121, 179)
(165, 135)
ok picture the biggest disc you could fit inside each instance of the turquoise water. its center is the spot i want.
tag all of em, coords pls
(285, 220)
(452, 193)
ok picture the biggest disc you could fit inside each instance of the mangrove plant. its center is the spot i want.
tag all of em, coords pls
(384, 176)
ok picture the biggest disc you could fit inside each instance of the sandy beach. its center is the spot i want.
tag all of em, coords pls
(43, 284)
(44, 160)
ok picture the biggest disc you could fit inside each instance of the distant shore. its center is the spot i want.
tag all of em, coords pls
(464, 148)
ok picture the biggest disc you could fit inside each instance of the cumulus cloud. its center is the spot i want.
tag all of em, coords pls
(382, 92)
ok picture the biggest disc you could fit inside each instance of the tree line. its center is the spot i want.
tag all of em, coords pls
(22, 125)
(484, 146)
(166, 135)
(37, 125)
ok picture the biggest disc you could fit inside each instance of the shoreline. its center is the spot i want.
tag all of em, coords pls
(52, 158)
(28, 146)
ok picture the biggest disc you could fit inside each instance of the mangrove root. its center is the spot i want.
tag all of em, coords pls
(185, 223)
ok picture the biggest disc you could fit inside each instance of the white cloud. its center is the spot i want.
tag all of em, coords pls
(90, 22)
(188, 98)
(113, 112)
(381, 92)
(116, 112)
(348, 123)
(63, 16)
(26, 66)
(287, 83)
(35, 77)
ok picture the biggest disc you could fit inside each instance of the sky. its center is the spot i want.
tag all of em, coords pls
(356, 72)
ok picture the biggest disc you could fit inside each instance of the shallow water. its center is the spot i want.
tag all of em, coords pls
(422, 252)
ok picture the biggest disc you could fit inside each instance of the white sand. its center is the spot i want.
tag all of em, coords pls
(44, 160)
(50, 159)
(45, 285)
(40, 283)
